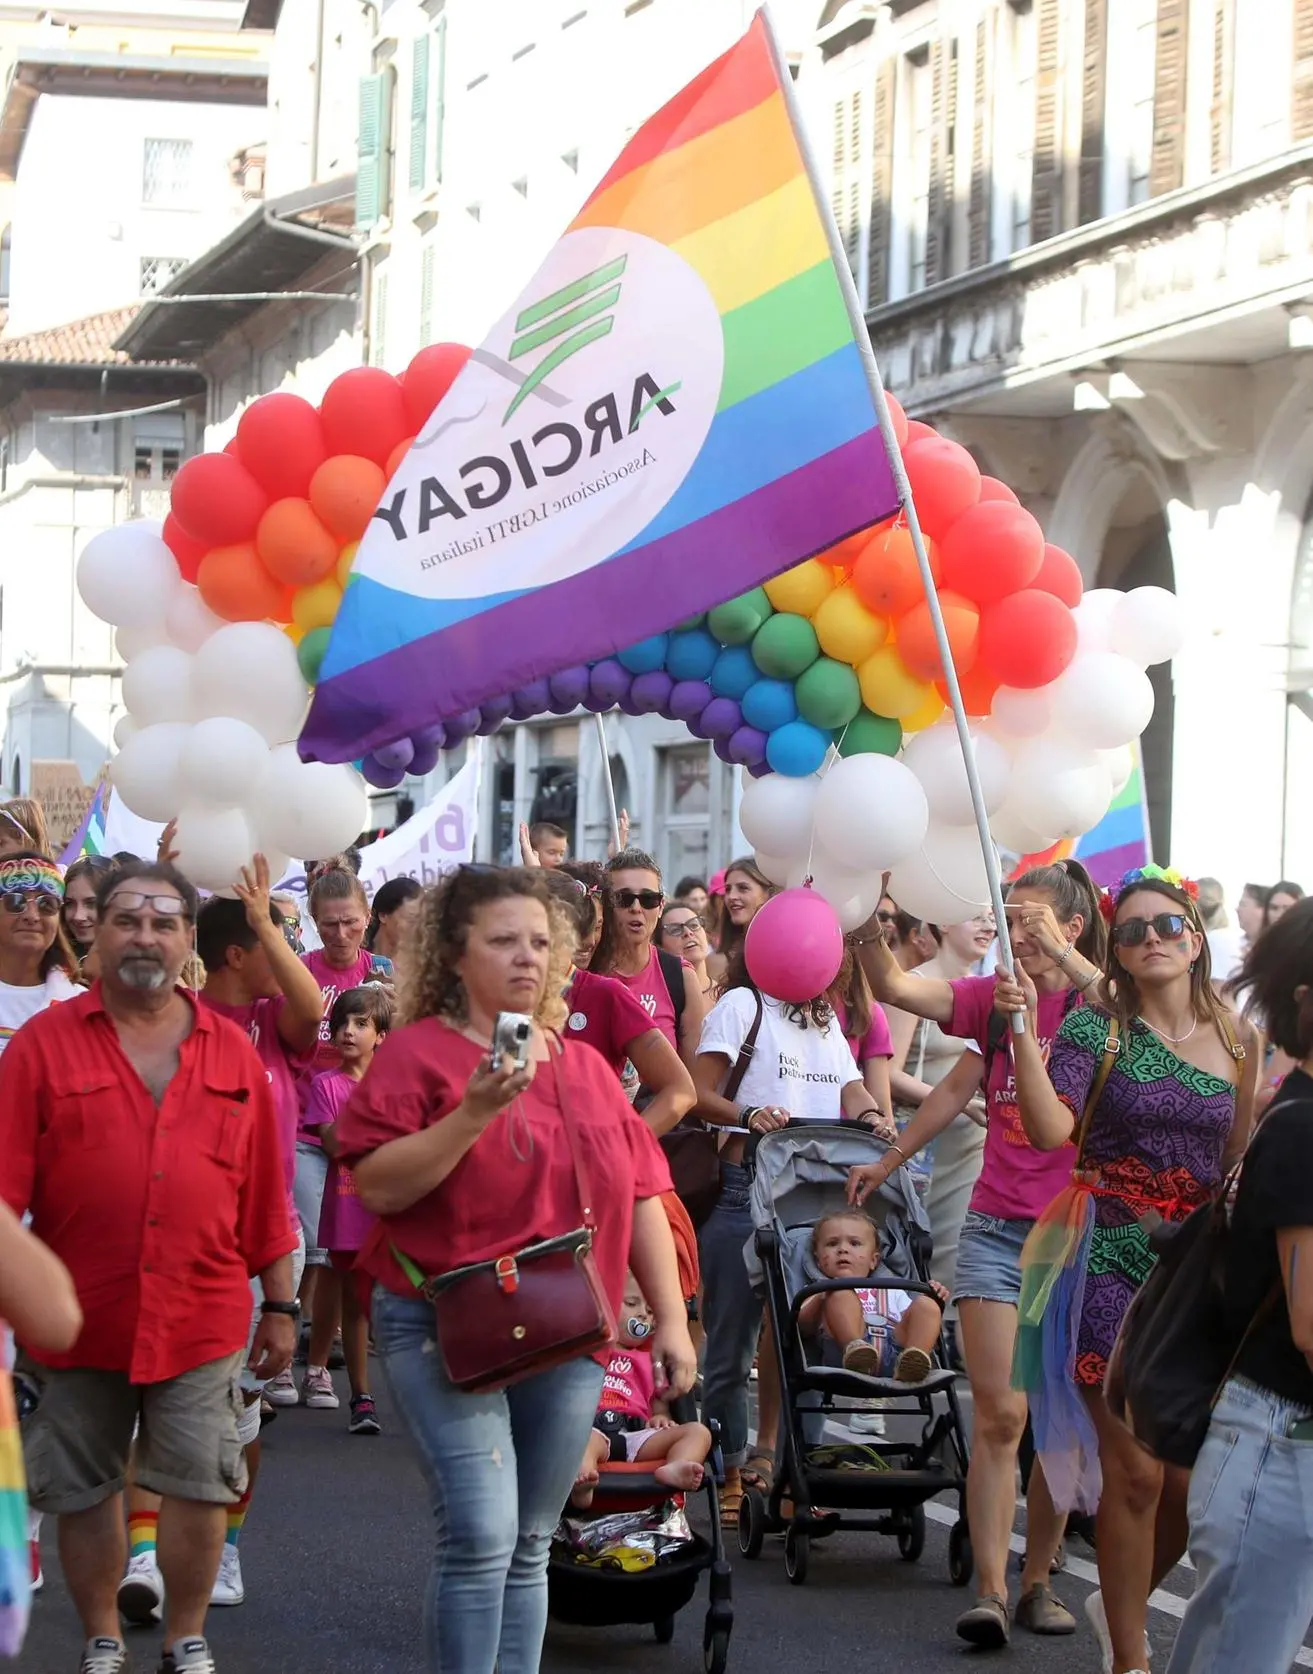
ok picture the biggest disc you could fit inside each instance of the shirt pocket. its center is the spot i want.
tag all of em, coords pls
(222, 1123)
(82, 1108)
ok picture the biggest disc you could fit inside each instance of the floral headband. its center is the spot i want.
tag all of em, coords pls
(1139, 875)
(42, 876)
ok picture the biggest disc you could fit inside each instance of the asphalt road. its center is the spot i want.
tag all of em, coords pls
(335, 1555)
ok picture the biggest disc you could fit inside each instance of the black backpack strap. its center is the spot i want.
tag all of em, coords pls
(672, 970)
(996, 1040)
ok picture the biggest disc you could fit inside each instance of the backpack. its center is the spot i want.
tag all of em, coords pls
(672, 969)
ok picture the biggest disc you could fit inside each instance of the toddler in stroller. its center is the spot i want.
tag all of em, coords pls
(881, 1333)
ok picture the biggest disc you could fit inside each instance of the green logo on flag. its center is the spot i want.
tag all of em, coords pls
(582, 310)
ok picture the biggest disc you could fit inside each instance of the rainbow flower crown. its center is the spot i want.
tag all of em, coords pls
(1141, 875)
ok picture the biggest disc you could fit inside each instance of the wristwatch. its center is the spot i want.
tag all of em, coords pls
(291, 1309)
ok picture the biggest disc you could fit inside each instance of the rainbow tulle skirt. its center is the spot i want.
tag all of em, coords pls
(15, 1570)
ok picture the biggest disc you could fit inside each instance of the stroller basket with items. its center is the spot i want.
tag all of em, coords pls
(631, 1557)
(799, 1175)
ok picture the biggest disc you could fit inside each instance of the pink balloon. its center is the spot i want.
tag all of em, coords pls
(794, 946)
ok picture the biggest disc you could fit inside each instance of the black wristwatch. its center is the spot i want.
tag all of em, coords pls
(291, 1309)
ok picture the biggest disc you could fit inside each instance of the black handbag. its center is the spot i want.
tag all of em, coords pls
(693, 1150)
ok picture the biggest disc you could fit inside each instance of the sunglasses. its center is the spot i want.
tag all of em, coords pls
(886, 918)
(132, 901)
(648, 899)
(1168, 927)
(18, 900)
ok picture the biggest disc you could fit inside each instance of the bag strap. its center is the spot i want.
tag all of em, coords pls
(672, 970)
(1111, 1051)
(741, 1063)
(557, 1053)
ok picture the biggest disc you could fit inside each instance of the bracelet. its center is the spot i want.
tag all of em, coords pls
(871, 1110)
(1066, 953)
(1090, 980)
(892, 1147)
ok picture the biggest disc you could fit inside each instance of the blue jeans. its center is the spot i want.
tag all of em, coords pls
(499, 1469)
(731, 1313)
(1251, 1539)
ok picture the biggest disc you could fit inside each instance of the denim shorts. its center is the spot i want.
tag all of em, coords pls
(989, 1259)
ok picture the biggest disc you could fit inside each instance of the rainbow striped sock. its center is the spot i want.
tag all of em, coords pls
(142, 1529)
(236, 1517)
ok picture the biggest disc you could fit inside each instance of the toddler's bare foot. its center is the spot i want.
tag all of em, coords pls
(581, 1496)
(684, 1474)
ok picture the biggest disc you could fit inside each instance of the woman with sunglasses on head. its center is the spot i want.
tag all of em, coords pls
(1057, 936)
(746, 891)
(23, 828)
(1155, 1079)
(80, 884)
(682, 934)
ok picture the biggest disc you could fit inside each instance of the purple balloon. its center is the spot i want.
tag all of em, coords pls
(459, 727)
(688, 699)
(760, 769)
(398, 755)
(425, 759)
(748, 746)
(627, 706)
(382, 778)
(721, 747)
(493, 713)
(609, 681)
(530, 700)
(650, 692)
(568, 688)
(721, 718)
(429, 737)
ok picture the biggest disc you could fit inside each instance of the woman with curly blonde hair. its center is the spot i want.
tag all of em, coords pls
(465, 1160)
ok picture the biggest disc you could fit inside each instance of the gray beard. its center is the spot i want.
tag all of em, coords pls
(142, 973)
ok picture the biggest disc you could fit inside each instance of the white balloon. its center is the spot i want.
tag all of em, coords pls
(776, 867)
(213, 845)
(1015, 835)
(127, 576)
(310, 809)
(146, 774)
(1094, 615)
(157, 685)
(131, 642)
(224, 763)
(1148, 626)
(871, 812)
(777, 813)
(857, 909)
(1020, 713)
(124, 728)
(935, 756)
(1120, 764)
(248, 670)
(1102, 700)
(946, 880)
(1059, 788)
(190, 621)
(853, 895)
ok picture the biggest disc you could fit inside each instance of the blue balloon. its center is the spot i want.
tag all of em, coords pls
(797, 749)
(647, 656)
(768, 704)
(690, 656)
(734, 672)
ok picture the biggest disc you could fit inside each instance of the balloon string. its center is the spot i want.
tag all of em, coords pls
(831, 756)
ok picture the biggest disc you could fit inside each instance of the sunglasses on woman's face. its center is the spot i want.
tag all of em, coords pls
(17, 900)
(1131, 932)
(648, 899)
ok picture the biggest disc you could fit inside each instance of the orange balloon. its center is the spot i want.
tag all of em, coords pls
(295, 546)
(886, 575)
(918, 647)
(344, 492)
(236, 585)
(978, 688)
(396, 456)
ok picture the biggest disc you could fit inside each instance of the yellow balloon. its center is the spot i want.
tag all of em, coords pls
(847, 630)
(345, 561)
(888, 689)
(294, 633)
(316, 606)
(926, 715)
(802, 588)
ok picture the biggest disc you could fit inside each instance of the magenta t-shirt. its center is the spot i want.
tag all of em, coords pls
(332, 980)
(877, 1041)
(629, 1383)
(1017, 1182)
(259, 1019)
(344, 1224)
(605, 1014)
(648, 987)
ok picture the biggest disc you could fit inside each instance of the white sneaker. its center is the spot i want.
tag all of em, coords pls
(141, 1591)
(317, 1388)
(228, 1588)
(281, 1391)
(868, 1423)
(1098, 1620)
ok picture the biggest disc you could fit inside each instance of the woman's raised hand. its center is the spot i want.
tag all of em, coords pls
(865, 1180)
(489, 1091)
(1013, 993)
(1036, 921)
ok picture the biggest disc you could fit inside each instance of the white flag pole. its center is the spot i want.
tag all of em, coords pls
(839, 257)
(607, 780)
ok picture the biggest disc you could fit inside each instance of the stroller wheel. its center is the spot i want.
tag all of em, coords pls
(663, 1629)
(911, 1537)
(797, 1554)
(752, 1523)
(715, 1654)
(961, 1561)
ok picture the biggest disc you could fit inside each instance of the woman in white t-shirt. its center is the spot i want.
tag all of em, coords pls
(798, 1068)
(36, 962)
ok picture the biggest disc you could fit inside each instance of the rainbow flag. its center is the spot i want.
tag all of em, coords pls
(672, 412)
(89, 838)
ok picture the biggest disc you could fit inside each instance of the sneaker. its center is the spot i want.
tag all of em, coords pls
(364, 1419)
(861, 1356)
(912, 1366)
(317, 1389)
(281, 1391)
(104, 1656)
(38, 1580)
(868, 1423)
(1098, 1620)
(1040, 1610)
(985, 1624)
(187, 1656)
(228, 1587)
(141, 1591)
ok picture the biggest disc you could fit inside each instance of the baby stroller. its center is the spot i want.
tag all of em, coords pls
(799, 1174)
(588, 1596)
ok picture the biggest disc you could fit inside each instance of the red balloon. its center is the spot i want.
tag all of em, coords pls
(918, 647)
(1027, 639)
(899, 418)
(428, 378)
(230, 447)
(978, 687)
(363, 413)
(992, 489)
(217, 500)
(918, 432)
(187, 551)
(1059, 574)
(281, 443)
(991, 550)
(945, 482)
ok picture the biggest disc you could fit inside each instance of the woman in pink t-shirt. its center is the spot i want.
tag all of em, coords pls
(1058, 938)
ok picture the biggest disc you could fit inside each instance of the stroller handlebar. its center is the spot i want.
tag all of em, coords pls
(914, 1287)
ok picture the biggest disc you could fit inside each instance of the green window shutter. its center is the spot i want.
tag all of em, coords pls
(419, 113)
(369, 152)
(439, 97)
(427, 280)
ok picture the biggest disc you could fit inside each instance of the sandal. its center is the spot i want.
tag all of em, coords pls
(759, 1472)
(731, 1497)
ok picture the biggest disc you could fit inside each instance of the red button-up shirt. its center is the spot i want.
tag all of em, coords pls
(161, 1213)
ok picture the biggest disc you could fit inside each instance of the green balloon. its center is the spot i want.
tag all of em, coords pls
(783, 647)
(735, 622)
(870, 734)
(310, 653)
(689, 623)
(828, 694)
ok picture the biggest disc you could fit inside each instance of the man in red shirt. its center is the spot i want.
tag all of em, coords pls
(139, 1130)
